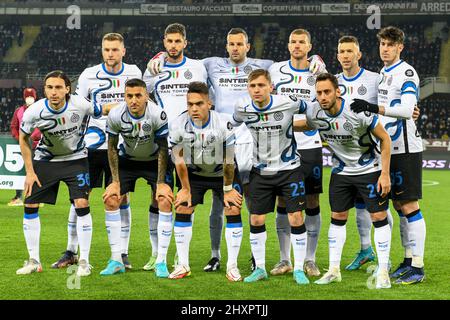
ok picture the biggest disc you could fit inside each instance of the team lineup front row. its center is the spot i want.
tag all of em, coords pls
(202, 143)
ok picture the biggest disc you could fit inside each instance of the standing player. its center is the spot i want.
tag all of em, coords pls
(358, 83)
(170, 88)
(356, 169)
(398, 94)
(60, 156)
(104, 85)
(276, 168)
(293, 78)
(142, 154)
(203, 147)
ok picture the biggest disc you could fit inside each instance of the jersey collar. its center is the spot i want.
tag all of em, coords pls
(264, 108)
(297, 70)
(56, 111)
(111, 73)
(137, 118)
(353, 78)
(340, 110)
(203, 126)
(393, 66)
(171, 65)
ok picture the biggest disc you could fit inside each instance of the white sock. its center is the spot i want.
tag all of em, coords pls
(153, 217)
(233, 237)
(417, 234)
(382, 239)
(216, 224)
(390, 219)
(404, 234)
(299, 244)
(336, 240)
(284, 234)
(112, 222)
(72, 236)
(258, 245)
(364, 223)
(84, 229)
(182, 232)
(313, 223)
(32, 233)
(125, 227)
(164, 235)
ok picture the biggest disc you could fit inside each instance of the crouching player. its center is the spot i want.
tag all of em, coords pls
(203, 149)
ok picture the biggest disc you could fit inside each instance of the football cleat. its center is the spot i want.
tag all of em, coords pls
(84, 269)
(233, 274)
(403, 268)
(69, 258)
(414, 275)
(311, 268)
(281, 267)
(332, 275)
(383, 280)
(213, 265)
(161, 270)
(113, 267)
(180, 272)
(362, 257)
(29, 267)
(300, 277)
(126, 262)
(258, 274)
(15, 202)
(151, 264)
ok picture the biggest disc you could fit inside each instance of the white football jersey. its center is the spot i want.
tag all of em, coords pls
(62, 131)
(395, 81)
(102, 87)
(229, 82)
(170, 86)
(139, 134)
(300, 83)
(274, 146)
(364, 85)
(204, 146)
(349, 136)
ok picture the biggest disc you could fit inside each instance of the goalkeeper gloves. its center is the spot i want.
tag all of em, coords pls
(359, 105)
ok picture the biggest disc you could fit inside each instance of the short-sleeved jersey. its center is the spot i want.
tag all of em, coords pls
(229, 82)
(395, 81)
(204, 146)
(170, 86)
(62, 131)
(349, 136)
(103, 87)
(272, 131)
(139, 134)
(364, 85)
(300, 83)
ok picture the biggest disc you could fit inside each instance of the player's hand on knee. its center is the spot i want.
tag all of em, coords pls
(163, 190)
(113, 190)
(154, 66)
(316, 65)
(384, 184)
(232, 197)
(184, 198)
(30, 180)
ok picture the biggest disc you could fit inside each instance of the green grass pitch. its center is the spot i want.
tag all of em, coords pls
(139, 284)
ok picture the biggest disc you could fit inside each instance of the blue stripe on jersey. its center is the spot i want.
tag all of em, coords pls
(56, 111)
(398, 123)
(136, 118)
(310, 133)
(160, 102)
(340, 167)
(408, 84)
(202, 126)
(292, 148)
(97, 108)
(111, 73)
(264, 108)
(231, 140)
(162, 132)
(394, 66)
(101, 135)
(297, 70)
(355, 77)
(374, 123)
(340, 110)
(302, 108)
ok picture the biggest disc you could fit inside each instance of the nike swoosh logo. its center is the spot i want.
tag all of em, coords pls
(397, 193)
(301, 203)
(381, 203)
